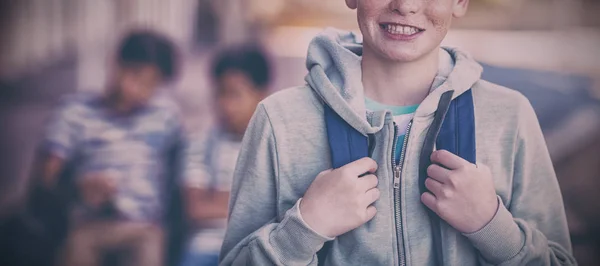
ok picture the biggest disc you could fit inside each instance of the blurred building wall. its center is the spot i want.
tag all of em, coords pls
(36, 32)
(41, 33)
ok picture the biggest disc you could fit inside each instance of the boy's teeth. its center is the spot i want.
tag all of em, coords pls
(398, 29)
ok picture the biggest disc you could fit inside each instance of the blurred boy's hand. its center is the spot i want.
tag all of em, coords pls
(97, 189)
(460, 192)
(340, 200)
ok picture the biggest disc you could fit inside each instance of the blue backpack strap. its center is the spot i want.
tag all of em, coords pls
(452, 129)
(457, 134)
(346, 144)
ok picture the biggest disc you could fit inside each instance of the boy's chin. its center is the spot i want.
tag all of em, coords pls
(402, 55)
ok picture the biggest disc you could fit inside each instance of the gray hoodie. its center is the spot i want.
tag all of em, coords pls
(286, 146)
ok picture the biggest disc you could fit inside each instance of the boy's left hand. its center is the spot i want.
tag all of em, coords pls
(460, 192)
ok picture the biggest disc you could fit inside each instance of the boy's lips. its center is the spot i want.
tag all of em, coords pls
(397, 28)
(398, 31)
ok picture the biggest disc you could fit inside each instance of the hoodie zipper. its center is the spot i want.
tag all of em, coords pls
(397, 173)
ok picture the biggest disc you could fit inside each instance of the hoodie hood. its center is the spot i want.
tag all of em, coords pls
(334, 73)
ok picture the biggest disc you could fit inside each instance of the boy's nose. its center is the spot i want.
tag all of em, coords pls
(405, 7)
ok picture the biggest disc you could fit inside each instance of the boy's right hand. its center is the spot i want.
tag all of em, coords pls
(340, 200)
(97, 189)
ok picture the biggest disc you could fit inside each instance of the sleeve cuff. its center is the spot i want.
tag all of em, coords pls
(308, 226)
(293, 234)
(501, 239)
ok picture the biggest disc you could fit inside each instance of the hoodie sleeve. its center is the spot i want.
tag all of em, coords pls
(256, 235)
(532, 230)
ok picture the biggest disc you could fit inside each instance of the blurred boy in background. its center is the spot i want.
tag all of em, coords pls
(241, 77)
(117, 143)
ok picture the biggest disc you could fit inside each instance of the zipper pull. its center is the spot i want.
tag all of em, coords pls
(397, 177)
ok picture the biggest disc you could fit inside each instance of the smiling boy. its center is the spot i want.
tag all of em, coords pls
(505, 208)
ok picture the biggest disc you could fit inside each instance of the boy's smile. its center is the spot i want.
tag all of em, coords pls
(400, 32)
(405, 30)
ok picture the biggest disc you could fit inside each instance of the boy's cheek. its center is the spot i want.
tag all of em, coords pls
(440, 16)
